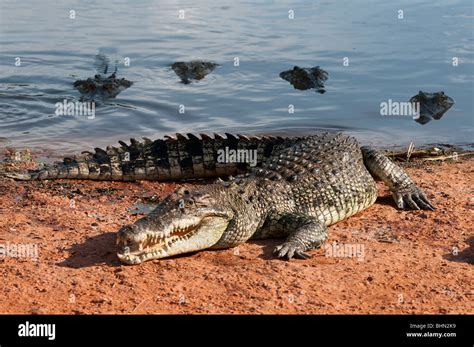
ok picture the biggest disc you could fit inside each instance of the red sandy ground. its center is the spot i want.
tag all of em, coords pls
(408, 265)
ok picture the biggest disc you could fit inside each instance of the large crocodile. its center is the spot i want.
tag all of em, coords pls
(299, 186)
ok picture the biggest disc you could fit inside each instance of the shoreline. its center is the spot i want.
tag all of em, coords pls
(57, 148)
(36, 155)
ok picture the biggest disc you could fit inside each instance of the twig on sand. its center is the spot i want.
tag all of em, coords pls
(411, 147)
(139, 305)
(427, 154)
(445, 157)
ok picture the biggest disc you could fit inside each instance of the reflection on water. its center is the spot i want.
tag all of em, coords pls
(253, 41)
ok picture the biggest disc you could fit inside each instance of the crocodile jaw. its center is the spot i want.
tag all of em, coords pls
(187, 235)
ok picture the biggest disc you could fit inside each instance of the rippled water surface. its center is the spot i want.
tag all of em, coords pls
(389, 58)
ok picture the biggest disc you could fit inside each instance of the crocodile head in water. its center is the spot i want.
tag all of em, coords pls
(101, 87)
(193, 70)
(306, 78)
(186, 221)
(432, 105)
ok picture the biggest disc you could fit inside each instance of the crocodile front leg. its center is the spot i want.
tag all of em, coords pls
(404, 191)
(308, 233)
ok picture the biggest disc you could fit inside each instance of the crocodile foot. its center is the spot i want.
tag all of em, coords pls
(412, 197)
(291, 249)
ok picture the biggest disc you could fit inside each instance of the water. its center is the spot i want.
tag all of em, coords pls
(389, 58)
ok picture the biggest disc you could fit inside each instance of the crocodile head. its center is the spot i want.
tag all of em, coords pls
(101, 87)
(193, 70)
(186, 221)
(432, 105)
(306, 78)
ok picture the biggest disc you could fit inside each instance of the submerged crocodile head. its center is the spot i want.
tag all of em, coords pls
(432, 105)
(101, 87)
(306, 78)
(186, 221)
(193, 70)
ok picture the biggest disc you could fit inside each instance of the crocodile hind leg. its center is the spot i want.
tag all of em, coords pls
(308, 233)
(404, 191)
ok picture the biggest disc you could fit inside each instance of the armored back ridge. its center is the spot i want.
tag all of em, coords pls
(173, 158)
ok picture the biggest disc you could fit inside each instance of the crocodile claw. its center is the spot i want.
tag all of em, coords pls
(290, 250)
(413, 198)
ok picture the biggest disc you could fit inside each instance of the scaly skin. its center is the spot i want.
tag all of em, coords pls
(297, 192)
(175, 158)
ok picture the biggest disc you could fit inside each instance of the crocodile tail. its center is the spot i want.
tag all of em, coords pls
(69, 168)
(174, 158)
(28, 176)
(91, 166)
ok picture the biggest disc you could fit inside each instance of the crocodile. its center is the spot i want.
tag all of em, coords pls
(101, 87)
(193, 70)
(306, 78)
(432, 105)
(299, 187)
